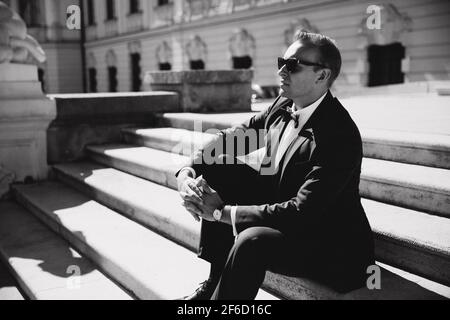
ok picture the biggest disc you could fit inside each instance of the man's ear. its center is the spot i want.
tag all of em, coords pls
(324, 75)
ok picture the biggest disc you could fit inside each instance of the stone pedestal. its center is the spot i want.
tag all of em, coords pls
(25, 114)
(206, 91)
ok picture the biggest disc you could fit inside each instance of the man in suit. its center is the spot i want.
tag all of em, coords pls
(292, 205)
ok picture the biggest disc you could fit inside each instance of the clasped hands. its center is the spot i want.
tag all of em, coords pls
(199, 199)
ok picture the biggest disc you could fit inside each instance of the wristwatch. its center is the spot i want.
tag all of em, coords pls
(217, 214)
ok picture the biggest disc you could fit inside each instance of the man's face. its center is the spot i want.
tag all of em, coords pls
(302, 81)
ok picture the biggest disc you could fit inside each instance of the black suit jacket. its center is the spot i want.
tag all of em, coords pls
(316, 201)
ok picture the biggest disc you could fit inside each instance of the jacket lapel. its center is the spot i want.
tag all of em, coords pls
(306, 133)
(276, 123)
(304, 136)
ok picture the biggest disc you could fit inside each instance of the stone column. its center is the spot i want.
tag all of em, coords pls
(25, 114)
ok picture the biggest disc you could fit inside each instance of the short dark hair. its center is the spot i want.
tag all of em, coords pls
(328, 52)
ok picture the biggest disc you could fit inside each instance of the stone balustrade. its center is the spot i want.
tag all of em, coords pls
(95, 118)
(206, 90)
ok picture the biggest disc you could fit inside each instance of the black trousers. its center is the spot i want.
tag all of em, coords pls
(245, 261)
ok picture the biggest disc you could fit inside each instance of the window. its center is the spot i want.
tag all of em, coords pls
(90, 12)
(92, 72)
(112, 77)
(110, 10)
(41, 78)
(134, 6)
(29, 11)
(136, 72)
(385, 64)
(165, 66)
(244, 62)
(163, 2)
(197, 64)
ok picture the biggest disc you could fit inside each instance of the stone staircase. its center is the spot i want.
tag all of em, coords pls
(117, 218)
(9, 288)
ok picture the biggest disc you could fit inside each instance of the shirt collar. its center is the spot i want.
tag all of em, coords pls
(306, 112)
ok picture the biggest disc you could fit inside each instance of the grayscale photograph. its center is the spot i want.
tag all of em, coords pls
(234, 150)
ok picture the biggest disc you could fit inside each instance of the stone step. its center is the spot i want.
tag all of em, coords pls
(411, 186)
(143, 262)
(431, 150)
(44, 265)
(416, 187)
(406, 238)
(9, 289)
(180, 141)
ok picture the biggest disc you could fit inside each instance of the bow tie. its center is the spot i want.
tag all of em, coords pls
(290, 112)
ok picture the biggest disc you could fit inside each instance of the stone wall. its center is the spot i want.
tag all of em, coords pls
(84, 119)
(426, 39)
(206, 91)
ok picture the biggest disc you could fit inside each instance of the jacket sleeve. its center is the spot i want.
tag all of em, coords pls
(226, 138)
(334, 167)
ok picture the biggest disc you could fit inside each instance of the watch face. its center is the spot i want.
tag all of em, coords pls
(217, 214)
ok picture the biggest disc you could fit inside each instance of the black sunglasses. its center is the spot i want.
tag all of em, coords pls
(292, 64)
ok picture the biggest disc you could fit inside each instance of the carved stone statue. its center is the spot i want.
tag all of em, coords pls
(242, 43)
(164, 53)
(15, 44)
(393, 25)
(300, 24)
(196, 49)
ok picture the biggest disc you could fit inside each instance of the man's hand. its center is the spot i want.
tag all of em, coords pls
(211, 200)
(191, 195)
(193, 209)
(199, 199)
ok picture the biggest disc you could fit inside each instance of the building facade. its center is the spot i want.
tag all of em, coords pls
(46, 21)
(397, 41)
